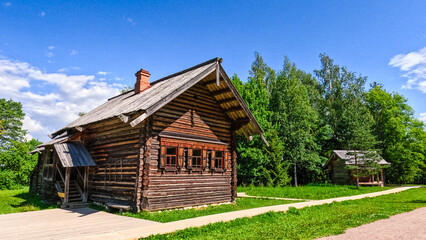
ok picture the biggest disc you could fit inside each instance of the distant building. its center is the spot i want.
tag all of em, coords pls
(338, 173)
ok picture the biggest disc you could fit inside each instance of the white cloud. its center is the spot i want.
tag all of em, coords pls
(74, 52)
(102, 73)
(49, 54)
(63, 96)
(130, 20)
(51, 47)
(422, 117)
(42, 14)
(414, 66)
(62, 70)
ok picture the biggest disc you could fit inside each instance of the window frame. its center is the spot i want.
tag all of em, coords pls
(200, 158)
(48, 163)
(169, 165)
(221, 160)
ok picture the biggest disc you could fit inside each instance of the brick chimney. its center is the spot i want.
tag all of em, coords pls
(142, 81)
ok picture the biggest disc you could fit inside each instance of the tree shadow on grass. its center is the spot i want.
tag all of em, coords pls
(31, 199)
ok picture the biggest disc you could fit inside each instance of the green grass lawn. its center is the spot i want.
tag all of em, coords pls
(314, 191)
(20, 200)
(310, 222)
(174, 215)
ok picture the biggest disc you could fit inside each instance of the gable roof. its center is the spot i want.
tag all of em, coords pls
(166, 89)
(350, 159)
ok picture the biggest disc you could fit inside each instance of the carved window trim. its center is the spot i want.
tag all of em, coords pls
(185, 159)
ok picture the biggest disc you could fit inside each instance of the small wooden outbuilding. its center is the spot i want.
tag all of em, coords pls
(338, 173)
(166, 144)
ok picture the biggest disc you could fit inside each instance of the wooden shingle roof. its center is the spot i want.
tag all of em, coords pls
(73, 154)
(142, 105)
(350, 158)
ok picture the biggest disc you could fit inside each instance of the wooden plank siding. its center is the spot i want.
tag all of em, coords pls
(194, 114)
(114, 146)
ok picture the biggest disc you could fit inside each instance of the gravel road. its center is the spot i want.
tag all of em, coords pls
(409, 225)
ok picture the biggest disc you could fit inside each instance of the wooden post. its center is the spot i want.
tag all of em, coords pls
(67, 186)
(146, 164)
(383, 178)
(234, 166)
(86, 183)
(378, 180)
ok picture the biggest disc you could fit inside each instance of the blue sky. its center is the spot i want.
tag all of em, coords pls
(60, 58)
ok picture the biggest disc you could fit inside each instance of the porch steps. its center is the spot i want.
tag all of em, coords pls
(75, 200)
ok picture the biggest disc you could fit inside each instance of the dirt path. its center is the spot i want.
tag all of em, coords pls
(409, 225)
(225, 217)
(91, 224)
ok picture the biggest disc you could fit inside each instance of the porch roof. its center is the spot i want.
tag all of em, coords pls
(74, 154)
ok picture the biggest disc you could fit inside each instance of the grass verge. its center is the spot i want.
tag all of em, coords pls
(310, 222)
(20, 200)
(314, 192)
(180, 214)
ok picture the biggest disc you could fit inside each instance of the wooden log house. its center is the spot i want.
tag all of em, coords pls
(338, 173)
(166, 144)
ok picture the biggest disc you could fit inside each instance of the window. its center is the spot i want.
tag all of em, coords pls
(196, 158)
(171, 157)
(48, 165)
(218, 159)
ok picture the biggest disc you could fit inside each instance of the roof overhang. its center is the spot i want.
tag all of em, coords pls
(244, 122)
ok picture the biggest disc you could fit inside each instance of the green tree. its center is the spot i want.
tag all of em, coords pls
(11, 116)
(342, 93)
(296, 119)
(16, 164)
(258, 163)
(363, 143)
(401, 136)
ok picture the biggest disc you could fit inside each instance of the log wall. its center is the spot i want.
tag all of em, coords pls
(114, 146)
(195, 115)
(340, 175)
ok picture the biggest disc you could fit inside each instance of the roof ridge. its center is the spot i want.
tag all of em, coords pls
(186, 70)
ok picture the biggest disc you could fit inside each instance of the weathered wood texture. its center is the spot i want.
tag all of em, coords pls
(195, 115)
(114, 146)
(340, 174)
(41, 185)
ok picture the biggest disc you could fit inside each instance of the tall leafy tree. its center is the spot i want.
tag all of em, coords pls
(11, 116)
(296, 119)
(258, 163)
(401, 136)
(342, 93)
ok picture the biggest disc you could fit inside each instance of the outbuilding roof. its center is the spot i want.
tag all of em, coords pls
(350, 158)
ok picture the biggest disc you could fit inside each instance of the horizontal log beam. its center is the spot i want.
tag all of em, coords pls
(221, 91)
(240, 122)
(210, 82)
(227, 100)
(234, 109)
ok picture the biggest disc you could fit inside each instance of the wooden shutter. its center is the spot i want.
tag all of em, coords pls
(162, 157)
(225, 160)
(212, 161)
(180, 157)
(204, 158)
(189, 163)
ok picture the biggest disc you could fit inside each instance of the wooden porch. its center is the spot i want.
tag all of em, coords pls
(372, 180)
